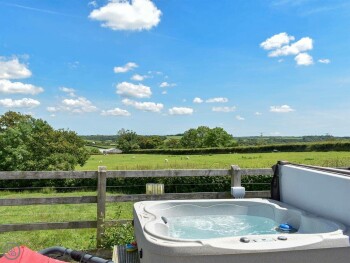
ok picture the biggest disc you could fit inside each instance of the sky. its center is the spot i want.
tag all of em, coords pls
(277, 68)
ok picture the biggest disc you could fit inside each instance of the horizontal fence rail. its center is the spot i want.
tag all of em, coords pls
(102, 198)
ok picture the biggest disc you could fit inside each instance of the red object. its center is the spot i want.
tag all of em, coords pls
(22, 254)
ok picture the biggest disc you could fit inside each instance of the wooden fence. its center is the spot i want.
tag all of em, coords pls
(101, 199)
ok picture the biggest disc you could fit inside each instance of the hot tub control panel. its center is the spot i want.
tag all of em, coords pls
(266, 239)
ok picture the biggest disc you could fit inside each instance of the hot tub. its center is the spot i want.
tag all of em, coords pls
(244, 230)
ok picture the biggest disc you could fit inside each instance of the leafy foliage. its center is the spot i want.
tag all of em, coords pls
(119, 233)
(127, 140)
(204, 137)
(29, 144)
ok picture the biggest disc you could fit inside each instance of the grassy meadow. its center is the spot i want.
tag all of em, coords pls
(250, 160)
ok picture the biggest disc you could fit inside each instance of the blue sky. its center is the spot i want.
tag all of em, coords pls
(279, 67)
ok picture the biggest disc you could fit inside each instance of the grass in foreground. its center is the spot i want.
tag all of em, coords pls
(76, 239)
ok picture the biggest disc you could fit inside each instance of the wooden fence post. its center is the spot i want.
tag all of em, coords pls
(235, 176)
(101, 203)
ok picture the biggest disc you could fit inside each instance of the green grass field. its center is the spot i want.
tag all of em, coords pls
(77, 239)
(256, 160)
(85, 238)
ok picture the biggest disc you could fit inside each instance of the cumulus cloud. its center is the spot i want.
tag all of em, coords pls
(164, 92)
(52, 109)
(138, 77)
(240, 118)
(324, 61)
(258, 113)
(281, 109)
(279, 45)
(304, 59)
(127, 89)
(217, 100)
(9, 87)
(144, 106)
(115, 112)
(276, 41)
(167, 85)
(304, 44)
(21, 103)
(224, 109)
(180, 111)
(128, 15)
(69, 91)
(13, 69)
(197, 100)
(127, 67)
(78, 105)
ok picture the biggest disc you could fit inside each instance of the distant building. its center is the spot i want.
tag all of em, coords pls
(110, 151)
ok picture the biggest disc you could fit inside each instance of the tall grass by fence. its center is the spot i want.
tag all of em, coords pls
(101, 176)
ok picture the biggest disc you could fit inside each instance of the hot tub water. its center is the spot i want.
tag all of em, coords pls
(217, 226)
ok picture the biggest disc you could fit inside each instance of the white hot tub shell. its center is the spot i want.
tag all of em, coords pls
(317, 239)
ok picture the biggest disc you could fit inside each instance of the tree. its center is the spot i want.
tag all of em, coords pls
(149, 142)
(190, 139)
(127, 140)
(29, 144)
(205, 137)
(218, 137)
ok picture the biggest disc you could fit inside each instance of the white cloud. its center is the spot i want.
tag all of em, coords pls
(224, 109)
(166, 84)
(138, 77)
(164, 92)
(128, 15)
(180, 111)
(281, 109)
(217, 100)
(9, 87)
(258, 113)
(21, 103)
(52, 109)
(240, 118)
(144, 106)
(276, 41)
(304, 44)
(13, 69)
(69, 91)
(115, 112)
(127, 89)
(79, 105)
(324, 61)
(304, 59)
(197, 100)
(280, 46)
(127, 67)
(93, 4)
(73, 65)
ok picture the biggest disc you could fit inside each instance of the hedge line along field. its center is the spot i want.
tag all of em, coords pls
(223, 161)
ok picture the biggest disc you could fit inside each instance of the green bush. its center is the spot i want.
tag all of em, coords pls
(119, 233)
